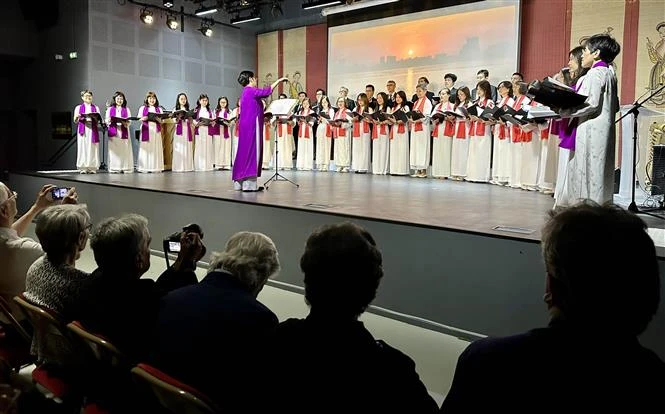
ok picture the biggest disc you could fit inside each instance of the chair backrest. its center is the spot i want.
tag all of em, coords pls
(7, 312)
(101, 349)
(42, 317)
(171, 393)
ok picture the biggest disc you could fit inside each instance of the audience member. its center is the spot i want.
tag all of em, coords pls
(602, 289)
(329, 361)
(53, 280)
(117, 303)
(17, 253)
(211, 335)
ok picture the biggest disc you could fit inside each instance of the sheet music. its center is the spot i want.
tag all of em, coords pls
(282, 107)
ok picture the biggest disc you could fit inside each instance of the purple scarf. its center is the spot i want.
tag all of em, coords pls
(568, 130)
(113, 129)
(225, 114)
(81, 130)
(145, 132)
(178, 129)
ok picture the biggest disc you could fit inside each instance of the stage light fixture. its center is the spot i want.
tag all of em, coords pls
(146, 16)
(239, 20)
(167, 3)
(172, 23)
(315, 4)
(203, 11)
(354, 6)
(73, 55)
(205, 29)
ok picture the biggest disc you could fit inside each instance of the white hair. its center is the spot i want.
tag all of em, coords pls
(59, 228)
(116, 241)
(250, 257)
(3, 194)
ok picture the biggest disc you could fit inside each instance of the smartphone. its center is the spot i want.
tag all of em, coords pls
(174, 246)
(59, 193)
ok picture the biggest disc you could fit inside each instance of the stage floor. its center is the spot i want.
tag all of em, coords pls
(434, 203)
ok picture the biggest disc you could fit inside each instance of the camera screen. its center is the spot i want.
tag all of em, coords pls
(174, 246)
(59, 193)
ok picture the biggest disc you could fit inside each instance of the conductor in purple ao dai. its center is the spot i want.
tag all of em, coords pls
(247, 164)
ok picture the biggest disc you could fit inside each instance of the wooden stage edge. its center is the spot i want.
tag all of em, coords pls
(475, 208)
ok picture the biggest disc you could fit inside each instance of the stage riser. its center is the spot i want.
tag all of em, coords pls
(477, 283)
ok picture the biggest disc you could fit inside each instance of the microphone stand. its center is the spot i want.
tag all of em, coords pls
(102, 164)
(635, 110)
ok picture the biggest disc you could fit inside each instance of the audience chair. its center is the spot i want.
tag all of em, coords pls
(103, 351)
(171, 394)
(15, 344)
(51, 383)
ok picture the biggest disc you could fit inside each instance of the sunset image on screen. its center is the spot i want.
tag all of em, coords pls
(428, 44)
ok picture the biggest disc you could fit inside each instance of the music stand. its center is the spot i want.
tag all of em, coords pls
(100, 124)
(280, 108)
(635, 110)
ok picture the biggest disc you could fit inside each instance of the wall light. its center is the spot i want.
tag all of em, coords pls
(167, 3)
(205, 28)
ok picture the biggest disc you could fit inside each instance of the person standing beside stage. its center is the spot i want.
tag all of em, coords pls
(247, 164)
(87, 136)
(204, 152)
(151, 151)
(183, 145)
(121, 157)
(591, 168)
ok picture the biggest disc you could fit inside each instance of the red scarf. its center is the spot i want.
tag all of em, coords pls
(379, 129)
(480, 125)
(400, 127)
(340, 114)
(303, 131)
(418, 106)
(289, 128)
(460, 127)
(516, 130)
(266, 131)
(356, 126)
(502, 131)
(449, 127)
(235, 130)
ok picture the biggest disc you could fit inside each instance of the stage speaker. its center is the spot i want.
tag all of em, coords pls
(657, 170)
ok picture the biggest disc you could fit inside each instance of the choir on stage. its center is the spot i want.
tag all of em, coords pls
(385, 133)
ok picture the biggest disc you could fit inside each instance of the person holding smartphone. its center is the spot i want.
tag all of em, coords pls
(17, 253)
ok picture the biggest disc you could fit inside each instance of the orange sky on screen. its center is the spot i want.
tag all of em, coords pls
(491, 26)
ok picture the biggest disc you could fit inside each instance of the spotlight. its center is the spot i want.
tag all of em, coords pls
(239, 20)
(205, 10)
(314, 4)
(146, 16)
(172, 23)
(167, 3)
(73, 55)
(205, 29)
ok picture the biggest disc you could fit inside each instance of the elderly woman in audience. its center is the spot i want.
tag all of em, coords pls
(117, 303)
(210, 335)
(329, 361)
(17, 253)
(53, 280)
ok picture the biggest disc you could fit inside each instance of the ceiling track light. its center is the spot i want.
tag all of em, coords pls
(146, 16)
(172, 22)
(203, 11)
(206, 28)
(167, 3)
(315, 4)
